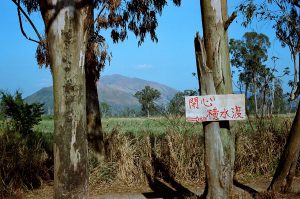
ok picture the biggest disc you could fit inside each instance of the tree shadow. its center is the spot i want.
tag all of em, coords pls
(246, 188)
(162, 182)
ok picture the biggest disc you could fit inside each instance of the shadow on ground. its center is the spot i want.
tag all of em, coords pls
(161, 181)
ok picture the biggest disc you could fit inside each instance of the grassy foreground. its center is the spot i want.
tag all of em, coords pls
(139, 151)
(134, 143)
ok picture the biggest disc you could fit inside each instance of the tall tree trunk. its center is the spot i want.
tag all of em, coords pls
(285, 172)
(295, 84)
(272, 98)
(254, 93)
(94, 125)
(246, 100)
(214, 21)
(67, 29)
(148, 112)
(92, 71)
(264, 102)
(214, 153)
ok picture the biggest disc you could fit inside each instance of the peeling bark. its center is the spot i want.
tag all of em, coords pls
(294, 93)
(67, 28)
(214, 154)
(216, 46)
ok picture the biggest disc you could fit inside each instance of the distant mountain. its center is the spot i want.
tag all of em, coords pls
(116, 90)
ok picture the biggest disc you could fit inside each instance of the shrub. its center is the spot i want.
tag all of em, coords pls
(22, 115)
(23, 163)
(25, 155)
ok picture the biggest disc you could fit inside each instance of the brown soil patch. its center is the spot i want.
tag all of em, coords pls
(259, 184)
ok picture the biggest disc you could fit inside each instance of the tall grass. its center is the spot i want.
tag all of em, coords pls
(139, 151)
(25, 162)
(176, 154)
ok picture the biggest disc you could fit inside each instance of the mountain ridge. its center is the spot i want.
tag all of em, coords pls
(116, 90)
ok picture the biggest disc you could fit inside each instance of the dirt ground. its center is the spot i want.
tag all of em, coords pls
(161, 189)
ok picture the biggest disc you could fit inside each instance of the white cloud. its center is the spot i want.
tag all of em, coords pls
(143, 66)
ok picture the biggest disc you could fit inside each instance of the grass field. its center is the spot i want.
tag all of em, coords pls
(139, 149)
(162, 125)
(136, 126)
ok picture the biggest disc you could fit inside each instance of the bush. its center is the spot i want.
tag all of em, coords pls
(23, 116)
(23, 163)
(25, 155)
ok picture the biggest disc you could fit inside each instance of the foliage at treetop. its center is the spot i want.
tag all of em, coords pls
(118, 16)
(248, 56)
(286, 19)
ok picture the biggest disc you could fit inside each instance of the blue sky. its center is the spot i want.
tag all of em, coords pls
(171, 61)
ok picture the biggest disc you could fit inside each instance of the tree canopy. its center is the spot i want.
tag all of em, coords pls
(146, 97)
(285, 18)
(117, 16)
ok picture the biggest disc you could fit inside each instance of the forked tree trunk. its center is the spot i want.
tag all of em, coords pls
(214, 21)
(285, 172)
(67, 29)
(94, 125)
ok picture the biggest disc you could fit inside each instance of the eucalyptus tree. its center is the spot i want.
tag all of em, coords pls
(266, 76)
(280, 99)
(70, 48)
(119, 17)
(285, 17)
(284, 14)
(213, 67)
(249, 55)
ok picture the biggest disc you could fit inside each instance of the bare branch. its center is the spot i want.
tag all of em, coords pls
(20, 21)
(230, 20)
(20, 9)
(100, 12)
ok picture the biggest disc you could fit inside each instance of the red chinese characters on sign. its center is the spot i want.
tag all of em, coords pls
(224, 114)
(208, 102)
(193, 103)
(196, 119)
(215, 108)
(236, 112)
(213, 114)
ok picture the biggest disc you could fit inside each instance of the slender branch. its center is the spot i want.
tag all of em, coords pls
(100, 12)
(20, 21)
(230, 20)
(238, 87)
(20, 9)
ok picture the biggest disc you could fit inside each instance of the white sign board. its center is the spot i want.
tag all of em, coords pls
(215, 107)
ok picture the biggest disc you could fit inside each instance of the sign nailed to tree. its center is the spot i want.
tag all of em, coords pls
(215, 107)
